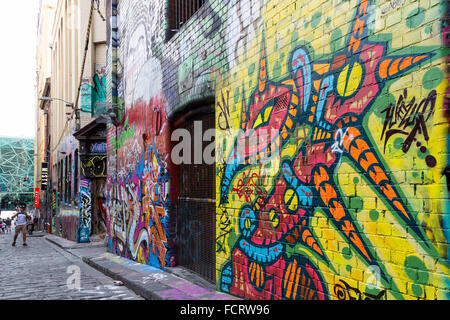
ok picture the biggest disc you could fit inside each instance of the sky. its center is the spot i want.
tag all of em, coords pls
(7, 214)
(18, 28)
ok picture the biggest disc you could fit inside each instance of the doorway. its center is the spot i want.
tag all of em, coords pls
(196, 216)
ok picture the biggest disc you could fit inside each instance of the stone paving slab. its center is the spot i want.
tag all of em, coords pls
(149, 282)
(43, 271)
(37, 234)
(67, 244)
(152, 283)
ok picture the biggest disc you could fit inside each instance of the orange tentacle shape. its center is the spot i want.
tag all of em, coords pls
(329, 198)
(359, 150)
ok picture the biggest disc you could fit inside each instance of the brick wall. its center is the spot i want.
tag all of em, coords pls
(355, 205)
(348, 99)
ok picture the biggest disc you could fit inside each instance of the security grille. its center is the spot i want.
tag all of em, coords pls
(196, 220)
(179, 12)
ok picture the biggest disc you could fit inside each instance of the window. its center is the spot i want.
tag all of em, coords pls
(60, 182)
(66, 180)
(69, 180)
(75, 177)
(179, 12)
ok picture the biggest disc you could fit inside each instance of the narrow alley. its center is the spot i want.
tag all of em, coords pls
(42, 271)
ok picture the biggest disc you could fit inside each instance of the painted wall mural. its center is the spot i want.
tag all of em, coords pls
(93, 93)
(355, 206)
(356, 193)
(84, 226)
(139, 180)
(94, 167)
(54, 207)
(138, 213)
(142, 182)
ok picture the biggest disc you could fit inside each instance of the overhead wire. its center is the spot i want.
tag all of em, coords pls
(98, 10)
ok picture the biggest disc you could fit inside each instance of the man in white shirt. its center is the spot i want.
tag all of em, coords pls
(21, 224)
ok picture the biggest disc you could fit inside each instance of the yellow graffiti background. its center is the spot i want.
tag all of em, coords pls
(283, 26)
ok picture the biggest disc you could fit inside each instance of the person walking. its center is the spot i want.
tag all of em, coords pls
(3, 226)
(8, 225)
(21, 224)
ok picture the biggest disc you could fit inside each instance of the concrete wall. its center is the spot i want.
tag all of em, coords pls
(355, 202)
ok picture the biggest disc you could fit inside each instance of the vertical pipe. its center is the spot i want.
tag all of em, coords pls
(181, 14)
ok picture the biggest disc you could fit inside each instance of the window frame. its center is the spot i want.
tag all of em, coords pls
(178, 17)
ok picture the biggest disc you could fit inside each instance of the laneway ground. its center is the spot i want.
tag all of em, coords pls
(151, 283)
(42, 271)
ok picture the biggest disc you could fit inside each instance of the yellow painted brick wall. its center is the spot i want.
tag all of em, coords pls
(355, 205)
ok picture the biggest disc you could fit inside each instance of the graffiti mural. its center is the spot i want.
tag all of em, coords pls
(138, 214)
(94, 167)
(98, 147)
(344, 291)
(54, 206)
(138, 183)
(84, 227)
(150, 85)
(279, 247)
(92, 94)
(353, 92)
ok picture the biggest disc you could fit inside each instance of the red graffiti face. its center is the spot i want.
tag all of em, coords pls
(360, 86)
(267, 114)
(274, 219)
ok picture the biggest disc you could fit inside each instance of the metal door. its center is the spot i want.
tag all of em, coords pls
(196, 218)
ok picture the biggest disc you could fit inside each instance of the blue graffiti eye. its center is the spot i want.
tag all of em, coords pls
(247, 221)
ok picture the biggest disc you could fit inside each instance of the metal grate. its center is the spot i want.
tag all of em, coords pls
(196, 208)
(196, 237)
(179, 12)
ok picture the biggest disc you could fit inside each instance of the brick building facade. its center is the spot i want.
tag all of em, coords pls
(353, 93)
(71, 81)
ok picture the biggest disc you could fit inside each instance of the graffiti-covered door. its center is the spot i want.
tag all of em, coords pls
(98, 207)
(196, 205)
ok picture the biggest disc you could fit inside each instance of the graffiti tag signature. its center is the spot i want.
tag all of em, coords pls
(225, 226)
(401, 117)
(250, 185)
(224, 114)
(344, 291)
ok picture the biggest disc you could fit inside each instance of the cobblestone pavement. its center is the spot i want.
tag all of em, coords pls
(43, 271)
